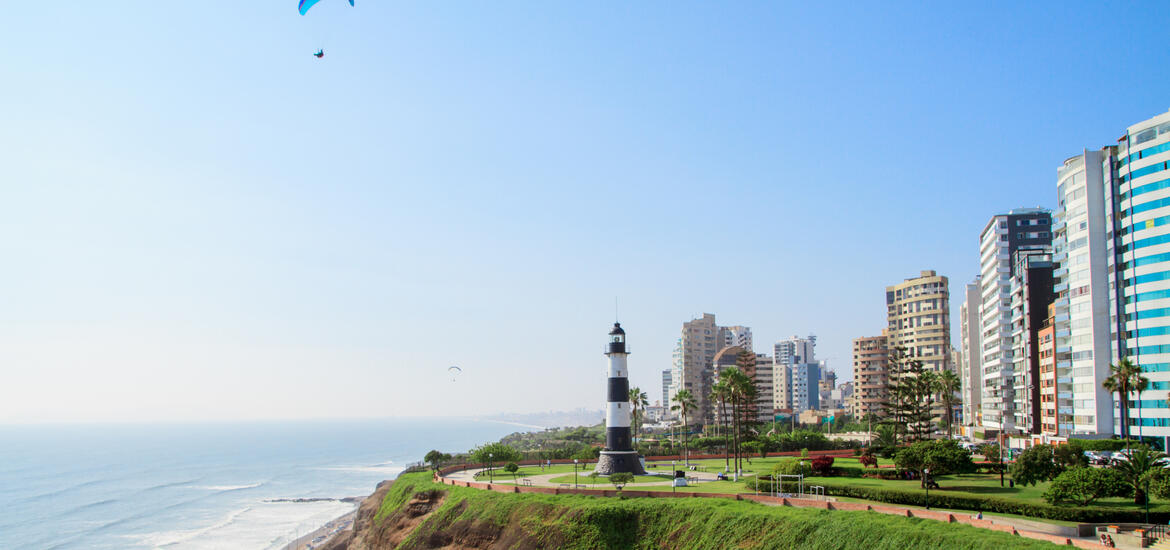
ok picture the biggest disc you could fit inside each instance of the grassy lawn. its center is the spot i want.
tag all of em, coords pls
(526, 471)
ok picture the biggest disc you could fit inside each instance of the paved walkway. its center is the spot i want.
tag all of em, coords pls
(545, 480)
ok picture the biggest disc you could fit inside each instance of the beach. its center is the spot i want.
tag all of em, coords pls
(324, 533)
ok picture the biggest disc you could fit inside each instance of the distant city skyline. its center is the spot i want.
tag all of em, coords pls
(202, 221)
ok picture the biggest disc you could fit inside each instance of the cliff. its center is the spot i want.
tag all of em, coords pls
(415, 513)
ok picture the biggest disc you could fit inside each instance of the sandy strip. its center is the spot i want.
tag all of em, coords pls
(343, 523)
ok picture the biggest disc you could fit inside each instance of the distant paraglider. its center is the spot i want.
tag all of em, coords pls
(454, 371)
(304, 5)
(319, 54)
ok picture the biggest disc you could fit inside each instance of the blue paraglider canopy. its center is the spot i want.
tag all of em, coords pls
(304, 5)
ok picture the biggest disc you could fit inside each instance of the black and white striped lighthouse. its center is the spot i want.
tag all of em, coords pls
(619, 454)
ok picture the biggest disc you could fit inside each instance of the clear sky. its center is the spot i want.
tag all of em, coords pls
(201, 221)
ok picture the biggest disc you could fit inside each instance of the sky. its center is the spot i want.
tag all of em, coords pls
(199, 220)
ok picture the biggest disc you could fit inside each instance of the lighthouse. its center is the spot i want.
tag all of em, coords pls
(619, 454)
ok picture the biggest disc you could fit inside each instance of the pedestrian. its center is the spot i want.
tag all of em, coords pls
(979, 515)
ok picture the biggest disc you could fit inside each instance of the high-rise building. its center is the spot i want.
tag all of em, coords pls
(1031, 295)
(788, 353)
(971, 352)
(919, 315)
(1047, 345)
(1142, 183)
(1083, 329)
(1004, 234)
(695, 351)
(737, 336)
(805, 380)
(795, 350)
(870, 375)
(666, 390)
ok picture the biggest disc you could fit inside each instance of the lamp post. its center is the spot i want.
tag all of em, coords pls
(673, 465)
(574, 473)
(490, 478)
(926, 480)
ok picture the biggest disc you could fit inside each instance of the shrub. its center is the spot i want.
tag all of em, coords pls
(941, 456)
(1081, 486)
(822, 465)
(867, 461)
(941, 499)
(1102, 444)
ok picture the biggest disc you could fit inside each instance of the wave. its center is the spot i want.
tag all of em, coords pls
(227, 488)
(90, 505)
(59, 492)
(164, 539)
(171, 484)
(376, 469)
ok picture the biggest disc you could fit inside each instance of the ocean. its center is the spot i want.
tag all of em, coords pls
(196, 486)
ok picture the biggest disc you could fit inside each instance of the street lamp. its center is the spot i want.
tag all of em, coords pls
(490, 478)
(574, 473)
(926, 479)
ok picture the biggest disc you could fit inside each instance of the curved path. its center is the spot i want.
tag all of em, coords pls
(545, 480)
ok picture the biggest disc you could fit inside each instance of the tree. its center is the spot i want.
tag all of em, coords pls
(495, 452)
(755, 446)
(1034, 465)
(1070, 455)
(620, 479)
(909, 405)
(638, 403)
(593, 478)
(1142, 462)
(720, 393)
(941, 456)
(742, 391)
(435, 458)
(1124, 378)
(886, 442)
(994, 454)
(685, 404)
(512, 468)
(948, 384)
(1081, 486)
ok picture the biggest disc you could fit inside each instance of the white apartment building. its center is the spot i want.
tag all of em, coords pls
(1082, 328)
(970, 352)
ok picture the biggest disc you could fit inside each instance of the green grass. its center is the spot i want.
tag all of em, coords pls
(580, 522)
(525, 471)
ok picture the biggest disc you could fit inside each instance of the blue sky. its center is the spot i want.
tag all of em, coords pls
(202, 221)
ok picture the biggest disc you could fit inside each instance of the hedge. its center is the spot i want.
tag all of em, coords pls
(940, 499)
(1103, 444)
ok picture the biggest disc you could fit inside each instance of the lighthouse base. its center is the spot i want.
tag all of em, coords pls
(614, 462)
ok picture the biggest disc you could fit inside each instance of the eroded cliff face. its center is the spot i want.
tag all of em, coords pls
(451, 531)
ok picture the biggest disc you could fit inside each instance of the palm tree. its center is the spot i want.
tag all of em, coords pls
(1124, 378)
(1141, 464)
(720, 392)
(948, 384)
(638, 398)
(685, 404)
(742, 393)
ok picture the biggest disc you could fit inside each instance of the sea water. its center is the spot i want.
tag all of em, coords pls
(221, 486)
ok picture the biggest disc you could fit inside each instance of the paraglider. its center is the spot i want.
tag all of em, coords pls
(304, 5)
(319, 54)
(454, 371)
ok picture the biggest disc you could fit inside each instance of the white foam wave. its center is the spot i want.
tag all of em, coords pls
(226, 487)
(376, 469)
(263, 525)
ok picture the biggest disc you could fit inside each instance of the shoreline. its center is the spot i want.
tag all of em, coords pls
(331, 529)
